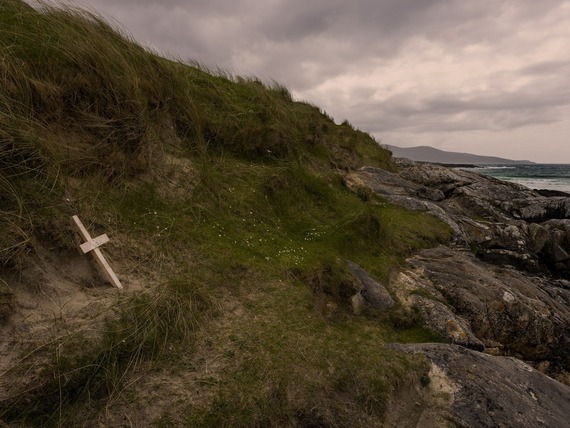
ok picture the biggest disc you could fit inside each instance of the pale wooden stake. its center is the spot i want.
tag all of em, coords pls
(93, 245)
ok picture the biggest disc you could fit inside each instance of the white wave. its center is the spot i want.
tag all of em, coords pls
(549, 184)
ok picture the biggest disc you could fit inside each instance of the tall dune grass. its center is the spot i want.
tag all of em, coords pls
(79, 98)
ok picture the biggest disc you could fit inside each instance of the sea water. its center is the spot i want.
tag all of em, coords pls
(535, 176)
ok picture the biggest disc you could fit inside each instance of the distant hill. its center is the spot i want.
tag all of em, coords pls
(430, 154)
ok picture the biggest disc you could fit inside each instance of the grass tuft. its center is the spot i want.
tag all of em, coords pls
(152, 328)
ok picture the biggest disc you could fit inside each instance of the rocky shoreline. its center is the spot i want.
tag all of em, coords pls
(499, 293)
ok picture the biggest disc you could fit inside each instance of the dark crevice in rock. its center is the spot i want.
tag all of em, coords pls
(550, 193)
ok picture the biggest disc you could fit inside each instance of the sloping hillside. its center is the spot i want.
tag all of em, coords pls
(231, 225)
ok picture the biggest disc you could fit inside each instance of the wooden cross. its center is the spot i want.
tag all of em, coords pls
(92, 244)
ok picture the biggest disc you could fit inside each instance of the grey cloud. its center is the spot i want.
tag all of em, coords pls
(383, 25)
(305, 43)
(332, 36)
(450, 113)
(373, 27)
(548, 68)
(497, 102)
(341, 19)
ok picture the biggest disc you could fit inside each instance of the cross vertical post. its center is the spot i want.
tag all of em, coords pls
(92, 245)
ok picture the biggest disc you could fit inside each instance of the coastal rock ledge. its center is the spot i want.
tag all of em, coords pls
(486, 391)
(501, 222)
(499, 293)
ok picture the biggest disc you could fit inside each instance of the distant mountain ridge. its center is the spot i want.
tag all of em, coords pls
(431, 154)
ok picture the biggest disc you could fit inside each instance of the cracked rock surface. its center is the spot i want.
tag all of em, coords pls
(489, 391)
(498, 294)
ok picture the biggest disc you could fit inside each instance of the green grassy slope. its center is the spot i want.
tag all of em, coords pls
(224, 188)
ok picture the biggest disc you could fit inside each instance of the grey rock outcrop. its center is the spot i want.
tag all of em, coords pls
(414, 289)
(504, 222)
(370, 293)
(488, 391)
(440, 318)
(502, 288)
(509, 312)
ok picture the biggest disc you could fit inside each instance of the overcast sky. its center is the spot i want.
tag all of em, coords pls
(489, 77)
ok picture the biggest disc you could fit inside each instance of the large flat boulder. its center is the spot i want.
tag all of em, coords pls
(488, 391)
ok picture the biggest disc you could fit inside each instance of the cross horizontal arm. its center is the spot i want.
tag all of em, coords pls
(94, 243)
